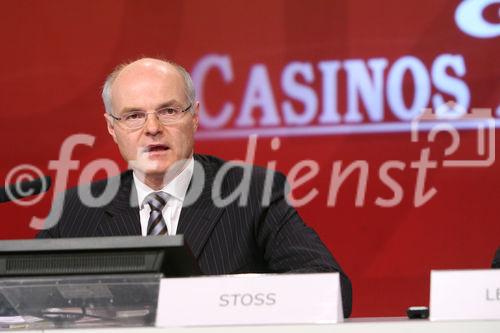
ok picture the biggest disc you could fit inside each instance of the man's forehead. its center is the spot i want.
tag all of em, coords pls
(151, 63)
(147, 82)
(148, 66)
(156, 74)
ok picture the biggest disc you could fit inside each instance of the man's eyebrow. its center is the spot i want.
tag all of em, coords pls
(130, 109)
(168, 104)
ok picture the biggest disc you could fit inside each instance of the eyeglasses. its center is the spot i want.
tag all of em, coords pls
(137, 119)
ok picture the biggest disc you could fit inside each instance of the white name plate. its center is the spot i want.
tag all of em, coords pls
(465, 294)
(250, 299)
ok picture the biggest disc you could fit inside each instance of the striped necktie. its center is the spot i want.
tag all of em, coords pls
(156, 223)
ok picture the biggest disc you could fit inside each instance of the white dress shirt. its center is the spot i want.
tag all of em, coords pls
(176, 189)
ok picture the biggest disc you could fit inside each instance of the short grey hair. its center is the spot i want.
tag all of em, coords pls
(106, 88)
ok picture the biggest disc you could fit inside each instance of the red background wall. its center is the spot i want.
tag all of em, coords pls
(56, 54)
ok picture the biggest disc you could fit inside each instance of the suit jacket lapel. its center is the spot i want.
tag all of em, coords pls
(122, 213)
(198, 219)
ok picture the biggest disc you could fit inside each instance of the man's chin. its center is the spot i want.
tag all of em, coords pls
(156, 169)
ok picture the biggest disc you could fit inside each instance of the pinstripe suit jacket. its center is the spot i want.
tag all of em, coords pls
(256, 237)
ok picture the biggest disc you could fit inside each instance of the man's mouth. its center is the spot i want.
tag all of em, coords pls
(155, 148)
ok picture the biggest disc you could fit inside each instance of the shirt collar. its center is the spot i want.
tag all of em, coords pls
(177, 187)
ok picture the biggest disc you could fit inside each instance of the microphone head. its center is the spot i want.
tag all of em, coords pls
(496, 260)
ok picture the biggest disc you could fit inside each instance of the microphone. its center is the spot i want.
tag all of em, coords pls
(496, 260)
(24, 189)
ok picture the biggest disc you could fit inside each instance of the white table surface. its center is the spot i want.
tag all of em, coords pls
(382, 325)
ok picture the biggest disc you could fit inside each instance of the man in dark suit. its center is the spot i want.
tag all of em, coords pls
(235, 218)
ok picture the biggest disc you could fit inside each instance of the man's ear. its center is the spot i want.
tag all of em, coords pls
(196, 117)
(110, 125)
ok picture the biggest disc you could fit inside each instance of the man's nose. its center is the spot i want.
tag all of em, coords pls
(153, 124)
